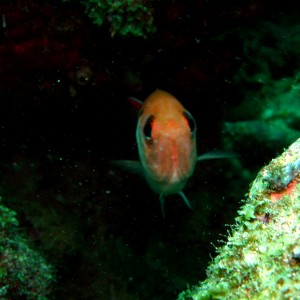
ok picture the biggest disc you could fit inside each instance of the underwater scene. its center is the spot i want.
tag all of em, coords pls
(149, 150)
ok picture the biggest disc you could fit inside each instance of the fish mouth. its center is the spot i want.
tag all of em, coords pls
(167, 186)
(171, 164)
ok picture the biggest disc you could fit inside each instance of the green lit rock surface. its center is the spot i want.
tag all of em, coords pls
(261, 259)
(24, 273)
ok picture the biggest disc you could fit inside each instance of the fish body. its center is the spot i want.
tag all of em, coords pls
(166, 140)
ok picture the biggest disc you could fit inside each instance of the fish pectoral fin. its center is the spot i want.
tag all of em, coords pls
(128, 165)
(215, 154)
(185, 199)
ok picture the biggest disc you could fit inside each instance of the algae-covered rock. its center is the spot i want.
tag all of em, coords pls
(261, 259)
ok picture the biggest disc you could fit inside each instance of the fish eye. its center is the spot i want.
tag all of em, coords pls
(147, 130)
(190, 120)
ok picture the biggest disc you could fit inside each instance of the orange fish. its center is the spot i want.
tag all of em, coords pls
(166, 140)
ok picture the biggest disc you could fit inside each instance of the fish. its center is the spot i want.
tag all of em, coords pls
(167, 148)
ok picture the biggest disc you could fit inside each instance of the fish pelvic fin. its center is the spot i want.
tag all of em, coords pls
(162, 205)
(162, 202)
(185, 199)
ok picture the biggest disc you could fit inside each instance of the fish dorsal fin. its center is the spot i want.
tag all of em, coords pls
(135, 103)
(216, 154)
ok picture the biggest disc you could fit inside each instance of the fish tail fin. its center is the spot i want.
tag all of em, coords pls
(162, 204)
(185, 199)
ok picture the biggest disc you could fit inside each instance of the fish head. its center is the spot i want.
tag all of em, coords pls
(166, 139)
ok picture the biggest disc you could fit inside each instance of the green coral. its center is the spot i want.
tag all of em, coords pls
(23, 271)
(261, 259)
(127, 17)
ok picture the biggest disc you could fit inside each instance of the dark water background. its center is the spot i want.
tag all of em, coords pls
(64, 115)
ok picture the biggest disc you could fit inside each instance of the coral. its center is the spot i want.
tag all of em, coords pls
(23, 271)
(261, 257)
(130, 17)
